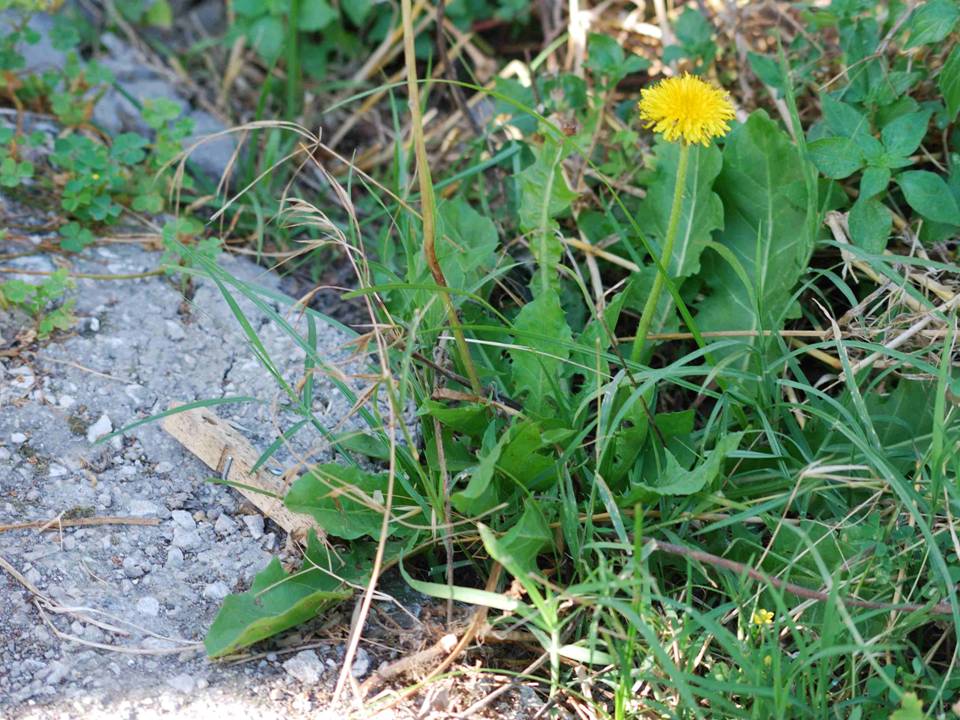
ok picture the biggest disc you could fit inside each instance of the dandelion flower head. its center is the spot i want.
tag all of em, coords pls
(686, 108)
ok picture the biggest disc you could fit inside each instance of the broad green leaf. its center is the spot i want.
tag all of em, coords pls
(949, 83)
(344, 501)
(544, 194)
(910, 708)
(466, 244)
(541, 328)
(903, 136)
(675, 480)
(702, 210)
(481, 495)
(159, 14)
(931, 22)
(843, 119)
(357, 10)
(873, 182)
(766, 233)
(836, 157)
(767, 68)
(316, 15)
(928, 194)
(470, 419)
(870, 224)
(523, 460)
(278, 601)
(518, 549)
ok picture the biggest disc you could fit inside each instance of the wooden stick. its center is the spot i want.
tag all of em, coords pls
(57, 523)
(226, 451)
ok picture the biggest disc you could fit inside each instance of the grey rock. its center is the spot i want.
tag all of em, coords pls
(18, 438)
(174, 557)
(182, 683)
(42, 56)
(183, 519)
(143, 508)
(216, 591)
(225, 525)
(149, 606)
(254, 524)
(186, 539)
(361, 663)
(163, 468)
(305, 666)
(131, 568)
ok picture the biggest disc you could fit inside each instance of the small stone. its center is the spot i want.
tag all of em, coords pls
(142, 508)
(66, 401)
(186, 539)
(305, 666)
(22, 379)
(361, 664)
(182, 683)
(104, 500)
(4, 454)
(101, 427)
(33, 575)
(183, 519)
(57, 672)
(270, 542)
(216, 591)
(92, 324)
(148, 606)
(225, 525)
(163, 467)
(56, 470)
(18, 438)
(175, 330)
(131, 568)
(174, 557)
(254, 524)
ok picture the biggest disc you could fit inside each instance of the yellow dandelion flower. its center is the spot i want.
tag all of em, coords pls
(95, 176)
(762, 617)
(686, 108)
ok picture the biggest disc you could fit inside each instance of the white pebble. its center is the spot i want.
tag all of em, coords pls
(101, 427)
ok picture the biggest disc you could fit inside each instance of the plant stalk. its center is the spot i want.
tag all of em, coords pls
(427, 198)
(650, 307)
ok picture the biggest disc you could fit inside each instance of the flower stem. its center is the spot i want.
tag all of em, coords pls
(427, 200)
(650, 307)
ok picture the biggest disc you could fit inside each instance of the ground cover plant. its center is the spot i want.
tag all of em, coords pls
(679, 361)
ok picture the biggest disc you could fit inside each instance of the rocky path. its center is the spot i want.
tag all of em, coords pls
(136, 599)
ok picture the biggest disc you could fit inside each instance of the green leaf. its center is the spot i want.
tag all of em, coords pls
(480, 495)
(702, 212)
(357, 10)
(766, 232)
(544, 194)
(522, 460)
(278, 601)
(466, 245)
(316, 15)
(931, 22)
(541, 328)
(903, 135)
(605, 56)
(159, 14)
(128, 148)
(676, 481)
(949, 83)
(267, 35)
(836, 157)
(929, 195)
(910, 708)
(518, 549)
(874, 181)
(870, 224)
(767, 68)
(843, 119)
(344, 501)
